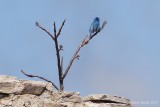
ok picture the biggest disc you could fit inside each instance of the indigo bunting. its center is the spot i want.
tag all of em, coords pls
(95, 26)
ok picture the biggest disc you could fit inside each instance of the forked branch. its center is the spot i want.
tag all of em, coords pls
(37, 24)
(61, 28)
(58, 49)
(84, 42)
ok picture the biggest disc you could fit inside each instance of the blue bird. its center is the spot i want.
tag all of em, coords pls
(95, 26)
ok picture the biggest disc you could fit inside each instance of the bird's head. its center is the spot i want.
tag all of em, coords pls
(96, 18)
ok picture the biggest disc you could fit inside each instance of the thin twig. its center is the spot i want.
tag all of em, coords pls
(60, 47)
(30, 75)
(84, 42)
(54, 30)
(73, 58)
(37, 24)
(61, 28)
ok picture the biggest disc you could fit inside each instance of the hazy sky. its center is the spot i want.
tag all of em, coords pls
(123, 59)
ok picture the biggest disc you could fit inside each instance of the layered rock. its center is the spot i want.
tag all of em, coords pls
(26, 93)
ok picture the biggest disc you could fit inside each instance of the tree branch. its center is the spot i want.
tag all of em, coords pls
(84, 42)
(62, 65)
(61, 28)
(30, 75)
(37, 24)
(58, 48)
(59, 63)
(54, 30)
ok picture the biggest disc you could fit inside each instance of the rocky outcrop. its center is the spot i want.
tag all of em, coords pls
(26, 93)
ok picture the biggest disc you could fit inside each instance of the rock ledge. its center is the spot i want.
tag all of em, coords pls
(26, 93)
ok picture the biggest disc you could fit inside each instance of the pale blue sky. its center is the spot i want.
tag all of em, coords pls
(123, 60)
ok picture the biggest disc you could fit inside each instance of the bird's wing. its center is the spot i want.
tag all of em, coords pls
(97, 25)
(91, 28)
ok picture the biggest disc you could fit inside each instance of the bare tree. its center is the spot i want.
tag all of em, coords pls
(59, 48)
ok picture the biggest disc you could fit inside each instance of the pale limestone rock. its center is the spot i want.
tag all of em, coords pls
(7, 78)
(70, 104)
(49, 87)
(67, 97)
(6, 101)
(27, 101)
(46, 96)
(52, 105)
(10, 85)
(90, 104)
(26, 93)
(33, 87)
(7, 84)
(106, 98)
